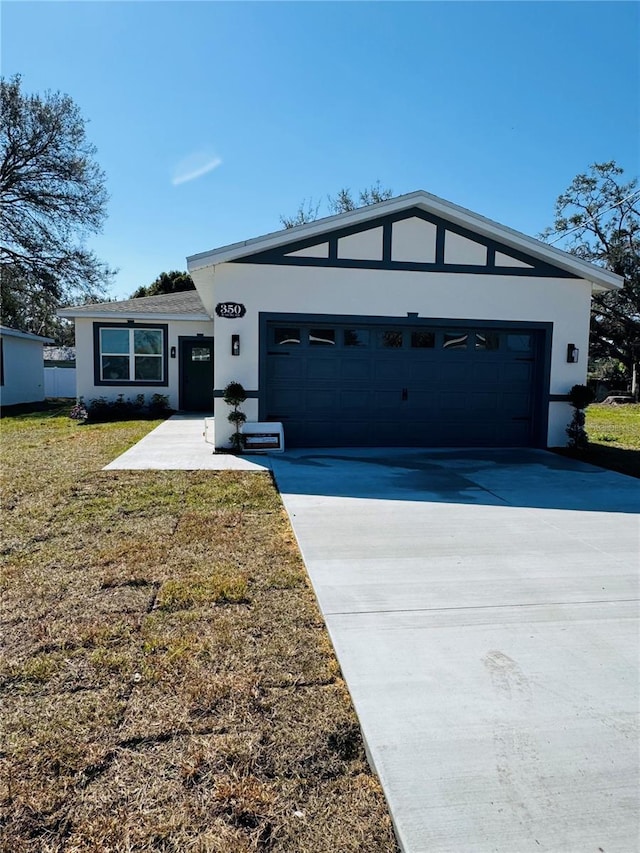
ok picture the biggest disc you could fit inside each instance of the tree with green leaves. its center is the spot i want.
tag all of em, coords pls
(32, 308)
(167, 282)
(342, 202)
(597, 219)
(52, 195)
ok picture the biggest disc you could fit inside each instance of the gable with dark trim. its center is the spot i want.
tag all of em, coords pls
(384, 246)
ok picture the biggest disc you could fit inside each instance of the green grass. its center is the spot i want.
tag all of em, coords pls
(614, 438)
(167, 681)
(619, 425)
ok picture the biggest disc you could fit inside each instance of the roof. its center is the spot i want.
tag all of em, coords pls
(185, 305)
(429, 203)
(6, 332)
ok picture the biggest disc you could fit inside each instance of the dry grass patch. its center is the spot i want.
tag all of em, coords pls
(223, 584)
(167, 681)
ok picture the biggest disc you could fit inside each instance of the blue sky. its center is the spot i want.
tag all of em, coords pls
(212, 119)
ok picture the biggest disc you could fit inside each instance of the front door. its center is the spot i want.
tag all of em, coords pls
(196, 374)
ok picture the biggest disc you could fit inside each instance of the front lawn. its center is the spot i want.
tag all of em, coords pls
(614, 437)
(167, 683)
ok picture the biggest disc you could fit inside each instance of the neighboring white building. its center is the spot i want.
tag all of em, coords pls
(408, 322)
(21, 367)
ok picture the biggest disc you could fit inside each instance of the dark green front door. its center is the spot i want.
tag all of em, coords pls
(196, 374)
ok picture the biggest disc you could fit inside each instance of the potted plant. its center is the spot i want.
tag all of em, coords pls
(234, 395)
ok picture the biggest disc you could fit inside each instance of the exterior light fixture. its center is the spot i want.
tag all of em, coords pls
(572, 353)
(235, 344)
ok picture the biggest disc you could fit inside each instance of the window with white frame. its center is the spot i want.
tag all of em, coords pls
(131, 354)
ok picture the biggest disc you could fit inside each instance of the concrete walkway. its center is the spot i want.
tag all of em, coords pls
(178, 444)
(483, 606)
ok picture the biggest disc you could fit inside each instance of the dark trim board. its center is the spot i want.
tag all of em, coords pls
(251, 395)
(541, 382)
(280, 256)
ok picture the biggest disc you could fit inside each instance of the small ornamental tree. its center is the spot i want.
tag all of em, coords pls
(234, 395)
(580, 396)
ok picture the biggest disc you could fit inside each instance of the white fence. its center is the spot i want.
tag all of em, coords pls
(60, 382)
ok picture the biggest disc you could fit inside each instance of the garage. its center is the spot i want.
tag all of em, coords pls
(400, 382)
(412, 322)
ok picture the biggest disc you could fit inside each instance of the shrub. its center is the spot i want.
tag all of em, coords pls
(79, 412)
(580, 396)
(234, 395)
(159, 406)
(101, 410)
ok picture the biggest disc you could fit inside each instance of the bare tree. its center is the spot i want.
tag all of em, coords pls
(342, 202)
(52, 196)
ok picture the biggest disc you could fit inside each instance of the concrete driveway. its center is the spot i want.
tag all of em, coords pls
(483, 606)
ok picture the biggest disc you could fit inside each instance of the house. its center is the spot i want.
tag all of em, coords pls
(408, 322)
(151, 345)
(21, 367)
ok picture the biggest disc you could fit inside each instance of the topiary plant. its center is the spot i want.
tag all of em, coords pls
(233, 395)
(580, 396)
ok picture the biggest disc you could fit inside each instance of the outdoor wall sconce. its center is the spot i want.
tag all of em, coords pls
(173, 352)
(235, 344)
(572, 353)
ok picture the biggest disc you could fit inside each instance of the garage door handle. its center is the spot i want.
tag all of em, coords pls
(405, 394)
(527, 418)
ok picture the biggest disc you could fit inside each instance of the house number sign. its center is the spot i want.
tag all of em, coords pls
(230, 310)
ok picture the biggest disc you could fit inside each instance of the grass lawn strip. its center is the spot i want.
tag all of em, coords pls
(619, 425)
(614, 437)
(167, 680)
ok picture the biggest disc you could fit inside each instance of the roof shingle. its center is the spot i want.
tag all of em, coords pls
(185, 302)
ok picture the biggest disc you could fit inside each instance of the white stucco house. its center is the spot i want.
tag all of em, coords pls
(409, 322)
(21, 367)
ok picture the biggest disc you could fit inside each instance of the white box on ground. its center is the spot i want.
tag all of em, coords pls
(261, 437)
(209, 431)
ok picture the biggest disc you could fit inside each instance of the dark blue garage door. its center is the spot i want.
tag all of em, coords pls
(339, 385)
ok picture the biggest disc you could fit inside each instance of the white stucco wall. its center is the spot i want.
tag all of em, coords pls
(460, 250)
(315, 290)
(23, 371)
(414, 240)
(85, 386)
(364, 246)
